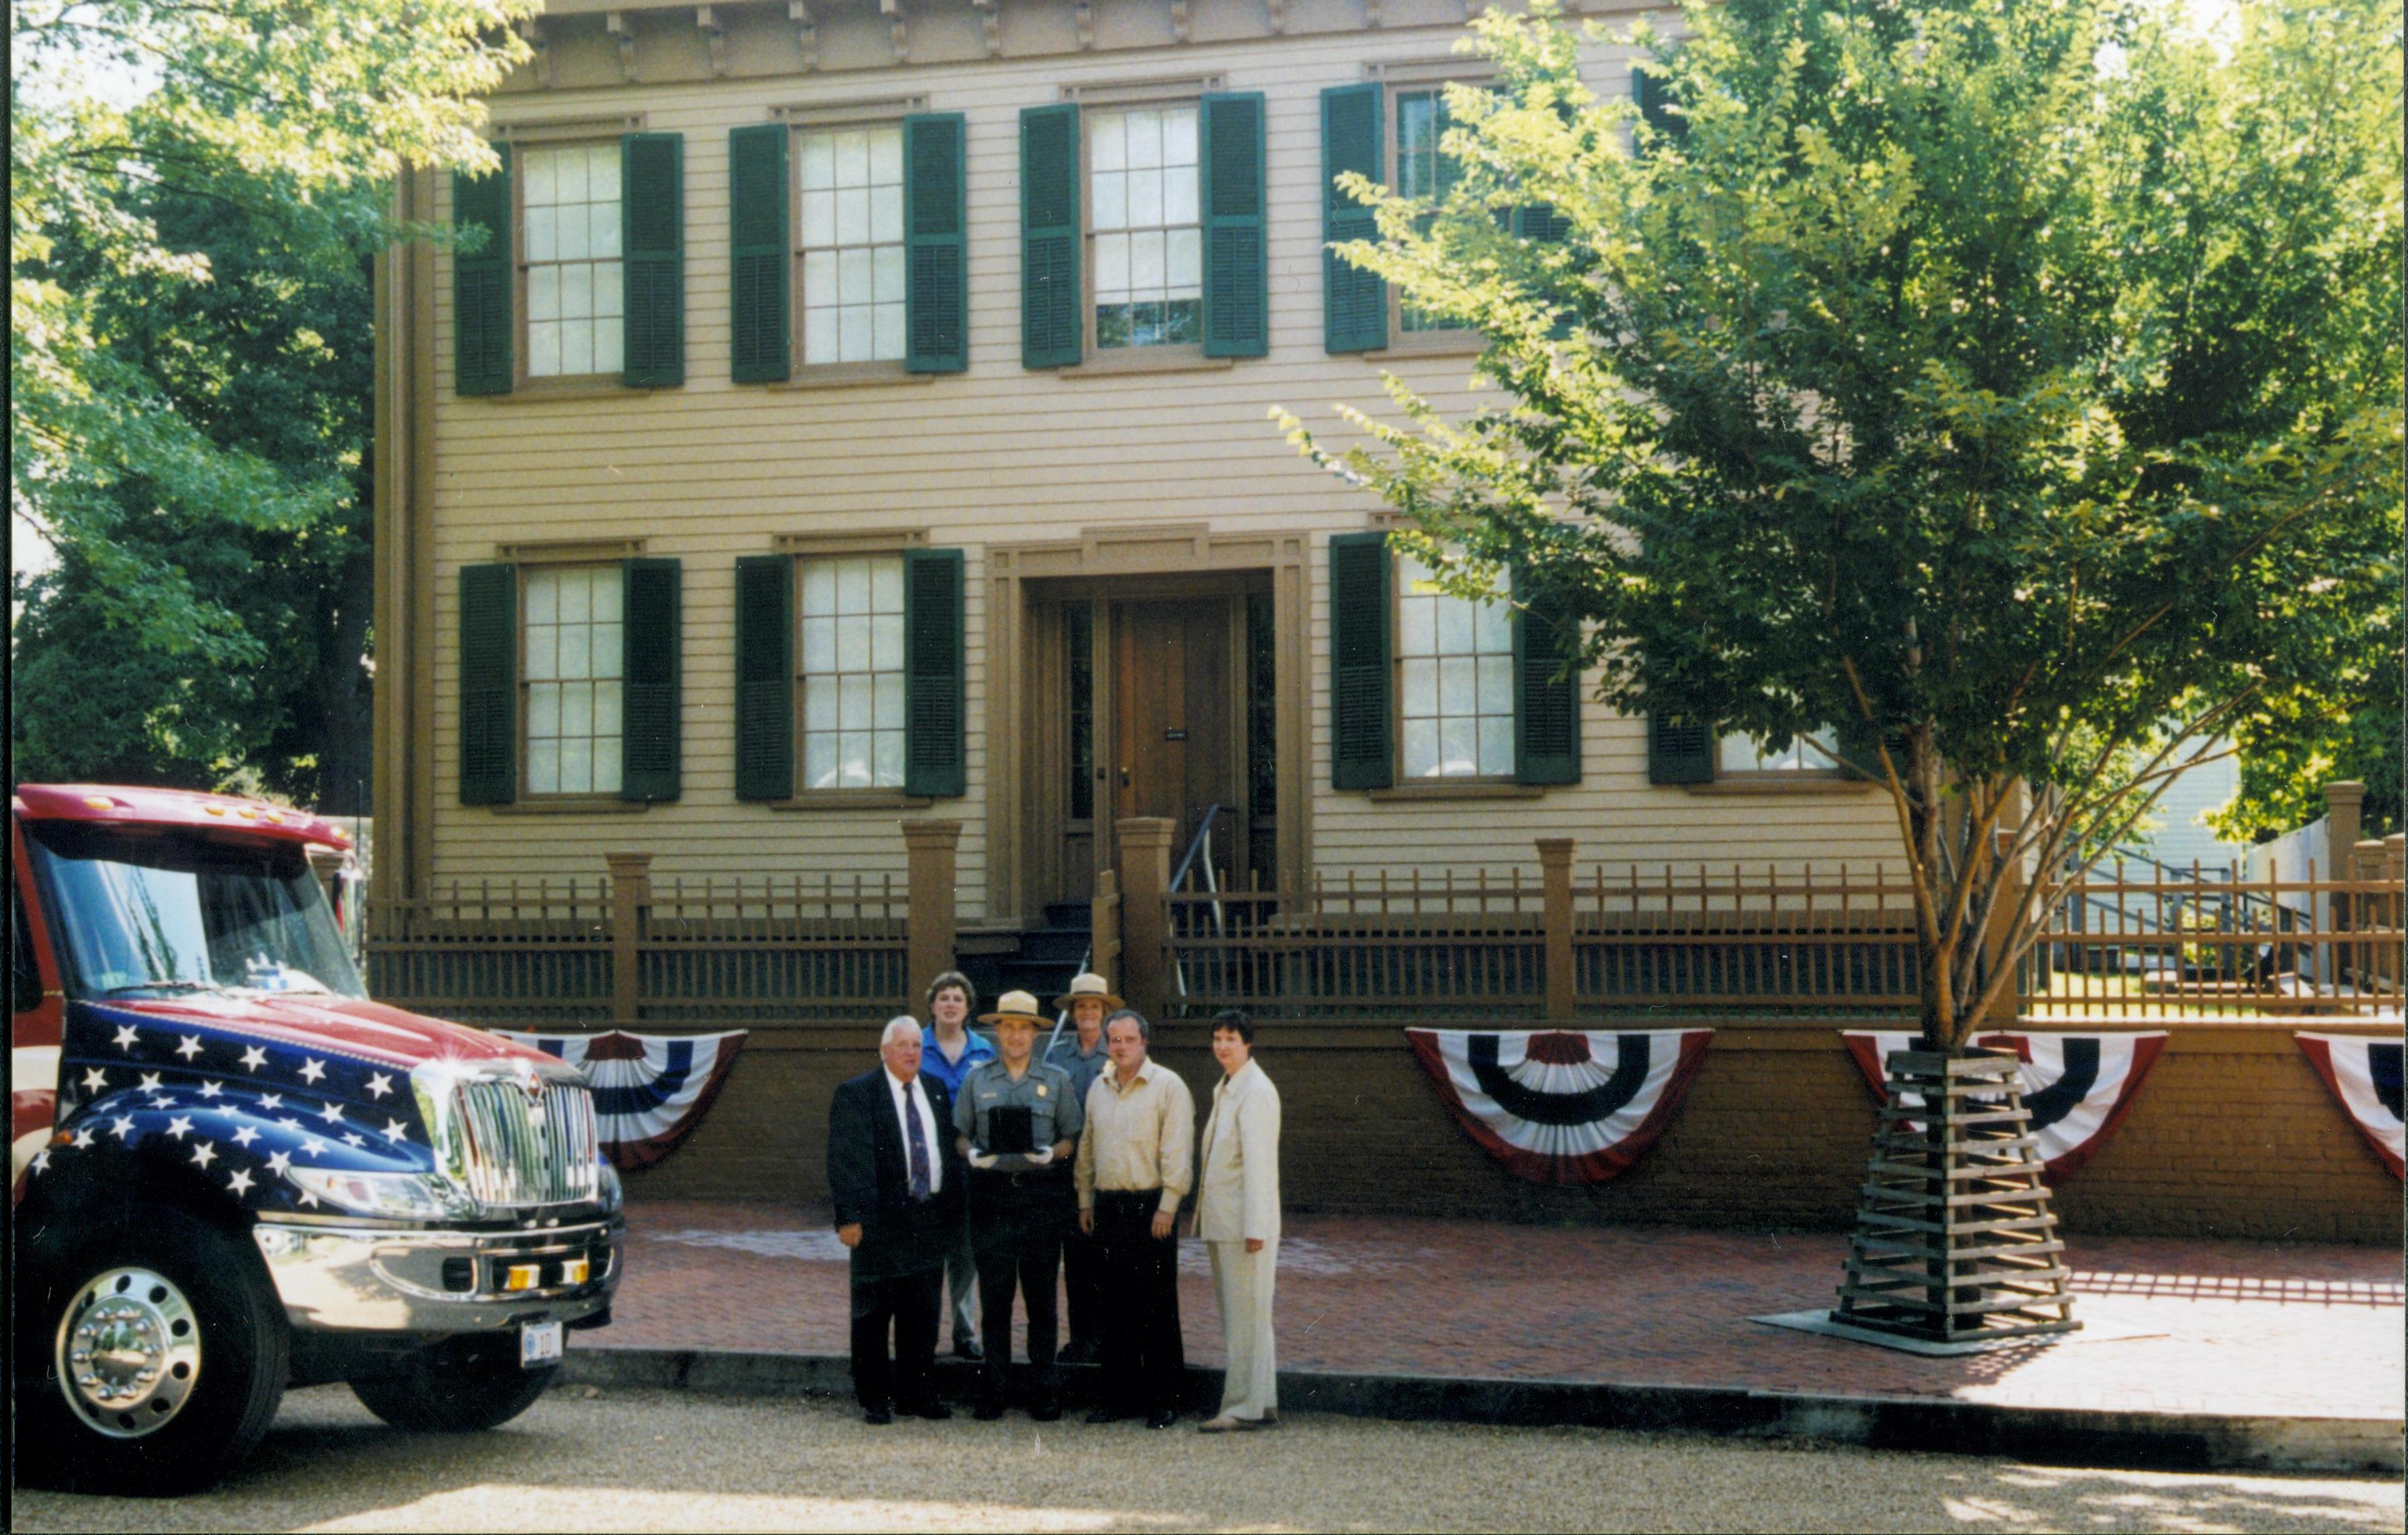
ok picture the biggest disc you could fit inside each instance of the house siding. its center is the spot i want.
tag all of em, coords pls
(996, 455)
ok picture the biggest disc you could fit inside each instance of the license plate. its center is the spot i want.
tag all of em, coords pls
(538, 1345)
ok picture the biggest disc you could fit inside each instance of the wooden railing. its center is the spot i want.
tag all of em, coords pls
(1811, 940)
(630, 949)
(2217, 941)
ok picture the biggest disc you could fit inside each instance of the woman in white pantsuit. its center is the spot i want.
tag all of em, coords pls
(1238, 1215)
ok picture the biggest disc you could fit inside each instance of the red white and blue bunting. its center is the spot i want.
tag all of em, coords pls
(1560, 1107)
(650, 1091)
(2364, 1074)
(2077, 1087)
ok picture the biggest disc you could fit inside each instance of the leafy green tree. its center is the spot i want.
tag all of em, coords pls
(273, 357)
(2011, 389)
(146, 448)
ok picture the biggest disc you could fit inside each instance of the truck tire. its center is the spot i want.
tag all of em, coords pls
(462, 1386)
(153, 1352)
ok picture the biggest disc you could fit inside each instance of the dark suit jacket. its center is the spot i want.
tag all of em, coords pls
(870, 1177)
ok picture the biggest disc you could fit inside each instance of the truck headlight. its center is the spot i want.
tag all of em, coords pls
(391, 1196)
(608, 1190)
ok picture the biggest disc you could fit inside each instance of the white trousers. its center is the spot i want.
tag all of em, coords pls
(1242, 1282)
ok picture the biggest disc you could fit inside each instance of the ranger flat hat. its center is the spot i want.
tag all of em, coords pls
(1015, 1004)
(1089, 984)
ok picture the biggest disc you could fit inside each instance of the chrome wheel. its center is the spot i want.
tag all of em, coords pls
(129, 1353)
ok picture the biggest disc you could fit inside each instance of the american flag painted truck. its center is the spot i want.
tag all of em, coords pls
(233, 1172)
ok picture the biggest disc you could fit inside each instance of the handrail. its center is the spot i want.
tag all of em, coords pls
(1203, 830)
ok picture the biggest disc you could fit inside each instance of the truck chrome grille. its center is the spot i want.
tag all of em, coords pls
(513, 1147)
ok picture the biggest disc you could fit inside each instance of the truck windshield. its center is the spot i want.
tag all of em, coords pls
(159, 910)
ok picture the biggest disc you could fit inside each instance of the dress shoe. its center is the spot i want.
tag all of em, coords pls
(929, 1408)
(1224, 1423)
(988, 1410)
(1103, 1415)
(1081, 1352)
(968, 1348)
(877, 1416)
(1162, 1419)
(1045, 1410)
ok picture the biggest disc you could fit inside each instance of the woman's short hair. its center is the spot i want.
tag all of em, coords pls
(1237, 1022)
(902, 1023)
(1144, 1030)
(957, 980)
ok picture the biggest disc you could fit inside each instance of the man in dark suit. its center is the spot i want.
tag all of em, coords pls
(897, 1181)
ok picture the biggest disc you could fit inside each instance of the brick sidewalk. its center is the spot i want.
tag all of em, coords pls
(2246, 1327)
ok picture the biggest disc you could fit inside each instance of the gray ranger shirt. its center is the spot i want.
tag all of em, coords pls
(1045, 1091)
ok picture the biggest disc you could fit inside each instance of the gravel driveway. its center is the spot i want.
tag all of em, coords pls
(640, 1460)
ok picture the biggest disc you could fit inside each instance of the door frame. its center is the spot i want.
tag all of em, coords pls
(1024, 701)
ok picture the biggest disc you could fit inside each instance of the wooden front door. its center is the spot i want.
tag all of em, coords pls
(1174, 692)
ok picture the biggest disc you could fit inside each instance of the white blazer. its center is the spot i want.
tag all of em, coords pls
(1239, 1199)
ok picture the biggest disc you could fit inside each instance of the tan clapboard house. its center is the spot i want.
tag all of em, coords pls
(854, 412)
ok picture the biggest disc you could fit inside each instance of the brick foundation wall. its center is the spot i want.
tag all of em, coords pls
(2232, 1135)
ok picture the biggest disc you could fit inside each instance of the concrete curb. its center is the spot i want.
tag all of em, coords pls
(2150, 1441)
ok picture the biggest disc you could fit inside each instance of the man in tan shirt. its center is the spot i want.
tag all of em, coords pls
(1135, 1164)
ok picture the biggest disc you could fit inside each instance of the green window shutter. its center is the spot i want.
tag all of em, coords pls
(481, 328)
(1860, 751)
(759, 278)
(1652, 95)
(652, 205)
(936, 288)
(934, 757)
(1353, 303)
(765, 677)
(1236, 273)
(1679, 751)
(1050, 331)
(1361, 664)
(652, 648)
(489, 685)
(1546, 692)
(1541, 221)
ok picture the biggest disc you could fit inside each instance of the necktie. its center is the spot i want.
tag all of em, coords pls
(918, 1142)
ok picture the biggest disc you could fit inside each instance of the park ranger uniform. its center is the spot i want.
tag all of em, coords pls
(1019, 1213)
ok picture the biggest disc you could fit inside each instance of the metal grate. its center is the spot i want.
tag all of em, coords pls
(518, 1148)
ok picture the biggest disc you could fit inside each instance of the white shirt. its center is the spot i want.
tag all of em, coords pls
(906, 1100)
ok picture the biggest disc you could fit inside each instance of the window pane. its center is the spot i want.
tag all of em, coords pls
(1421, 748)
(1111, 268)
(603, 229)
(1110, 200)
(1459, 746)
(1421, 688)
(541, 232)
(816, 157)
(1144, 138)
(543, 709)
(1179, 136)
(851, 193)
(1495, 744)
(1416, 626)
(576, 347)
(543, 767)
(1185, 259)
(576, 767)
(1107, 140)
(1144, 198)
(1179, 194)
(853, 661)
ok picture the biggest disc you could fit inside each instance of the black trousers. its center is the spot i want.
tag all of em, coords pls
(1082, 1274)
(907, 1303)
(1144, 1361)
(1016, 1224)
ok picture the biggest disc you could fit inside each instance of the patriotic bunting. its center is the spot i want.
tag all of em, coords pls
(1559, 1107)
(2077, 1087)
(649, 1091)
(2365, 1075)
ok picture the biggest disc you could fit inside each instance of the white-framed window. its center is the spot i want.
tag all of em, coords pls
(851, 650)
(570, 208)
(1742, 755)
(572, 670)
(1421, 170)
(1144, 226)
(1455, 657)
(851, 229)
